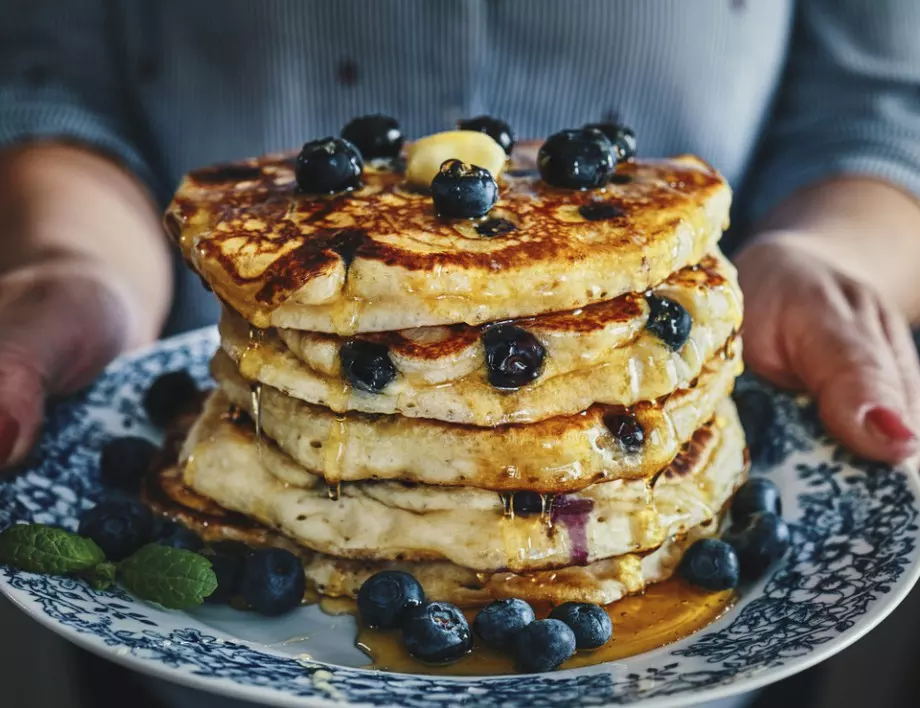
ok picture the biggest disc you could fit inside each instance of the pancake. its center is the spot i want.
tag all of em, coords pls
(555, 455)
(468, 527)
(643, 370)
(601, 582)
(379, 259)
(574, 340)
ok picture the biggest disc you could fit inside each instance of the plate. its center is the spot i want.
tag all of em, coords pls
(854, 558)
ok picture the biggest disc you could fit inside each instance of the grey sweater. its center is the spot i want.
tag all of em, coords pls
(775, 93)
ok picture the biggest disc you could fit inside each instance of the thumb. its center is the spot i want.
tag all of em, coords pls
(57, 331)
(851, 370)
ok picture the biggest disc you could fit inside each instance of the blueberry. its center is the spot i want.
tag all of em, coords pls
(589, 623)
(710, 564)
(436, 632)
(118, 526)
(623, 138)
(514, 357)
(328, 165)
(577, 159)
(525, 503)
(626, 430)
(755, 496)
(375, 136)
(599, 211)
(386, 596)
(168, 396)
(760, 544)
(668, 320)
(498, 622)
(495, 128)
(543, 645)
(495, 227)
(273, 581)
(756, 410)
(462, 191)
(177, 536)
(227, 560)
(124, 462)
(367, 365)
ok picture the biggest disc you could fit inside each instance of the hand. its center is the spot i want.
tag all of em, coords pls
(60, 324)
(809, 326)
(84, 275)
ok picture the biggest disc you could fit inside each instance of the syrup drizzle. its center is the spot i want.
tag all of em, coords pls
(255, 392)
(507, 500)
(336, 439)
(346, 313)
(255, 388)
(513, 504)
(546, 509)
(334, 452)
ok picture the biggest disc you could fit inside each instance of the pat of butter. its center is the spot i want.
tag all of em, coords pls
(426, 156)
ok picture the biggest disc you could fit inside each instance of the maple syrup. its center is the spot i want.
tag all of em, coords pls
(255, 388)
(346, 313)
(664, 614)
(255, 392)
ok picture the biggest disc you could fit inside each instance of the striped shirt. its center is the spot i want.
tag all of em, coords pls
(775, 93)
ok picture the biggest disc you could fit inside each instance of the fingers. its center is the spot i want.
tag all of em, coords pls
(760, 274)
(845, 359)
(808, 326)
(22, 398)
(57, 331)
(905, 354)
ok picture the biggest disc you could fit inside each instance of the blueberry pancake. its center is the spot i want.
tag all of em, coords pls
(601, 582)
(556, 455)
(515, 374)
(378, 256)
(564, 341)
(467, 526)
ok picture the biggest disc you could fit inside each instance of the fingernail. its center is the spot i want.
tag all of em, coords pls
(9, 432)
(887, 425)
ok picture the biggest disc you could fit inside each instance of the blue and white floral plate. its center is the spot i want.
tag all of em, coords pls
(854, 558)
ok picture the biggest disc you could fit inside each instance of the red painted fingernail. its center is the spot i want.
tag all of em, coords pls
(885, 423)
(9, 432)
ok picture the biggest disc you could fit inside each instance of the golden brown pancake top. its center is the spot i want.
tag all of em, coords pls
(261, 243)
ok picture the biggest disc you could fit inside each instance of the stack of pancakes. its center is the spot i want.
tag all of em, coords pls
(358, 419)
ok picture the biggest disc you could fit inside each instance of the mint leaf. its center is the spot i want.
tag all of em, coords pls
(46, 549)
(101, 577)
(172, 577)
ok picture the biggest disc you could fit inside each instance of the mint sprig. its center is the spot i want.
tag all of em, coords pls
(46, 549)
(172, 577)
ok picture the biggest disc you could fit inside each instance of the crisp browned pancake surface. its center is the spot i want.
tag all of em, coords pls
(379, 258)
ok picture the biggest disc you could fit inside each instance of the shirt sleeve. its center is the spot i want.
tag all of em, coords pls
(61, 78)
(849, 103)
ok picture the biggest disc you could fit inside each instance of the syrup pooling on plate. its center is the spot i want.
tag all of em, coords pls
(665, 613)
